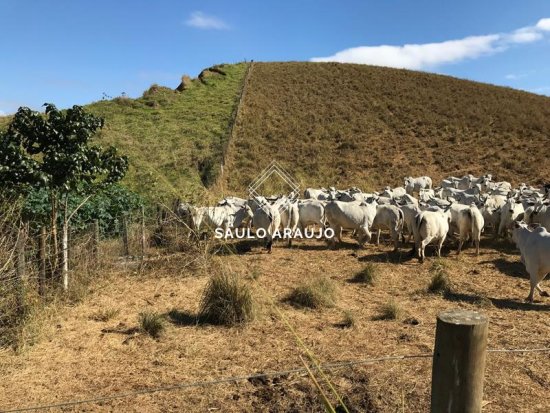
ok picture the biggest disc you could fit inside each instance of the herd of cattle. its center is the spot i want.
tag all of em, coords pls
(464, 206)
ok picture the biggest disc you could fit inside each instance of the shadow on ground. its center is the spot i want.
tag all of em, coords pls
(501, 303)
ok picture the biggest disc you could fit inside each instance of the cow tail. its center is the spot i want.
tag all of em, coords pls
(401, 220)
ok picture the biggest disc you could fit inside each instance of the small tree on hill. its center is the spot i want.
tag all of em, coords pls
(53, 151)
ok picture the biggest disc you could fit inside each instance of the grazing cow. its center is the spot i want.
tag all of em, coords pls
(534, 246)
(388, 217)
(310, 212)
(470, 225)
(538, 214)
(349, 215)
(413, 185)
(511, 211)
(267, 217)
(394, 193)
(321, 194)
(460, 183)
(430, 226)
(233, 200)
(290, 216)
(426, 194)
(348, 195)
(410, 211)
(221, 216)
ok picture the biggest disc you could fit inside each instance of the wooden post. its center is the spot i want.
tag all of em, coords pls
(143, 238)
(42, 262)
(95, 242)
(459, 362)
(20, 265)
(125, 235)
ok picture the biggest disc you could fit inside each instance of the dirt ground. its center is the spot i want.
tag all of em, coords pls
(80, 358)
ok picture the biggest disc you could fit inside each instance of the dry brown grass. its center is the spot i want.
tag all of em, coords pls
(366, 126)
(71, 362)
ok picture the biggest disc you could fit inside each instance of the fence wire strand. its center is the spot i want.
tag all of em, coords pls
(235, 379)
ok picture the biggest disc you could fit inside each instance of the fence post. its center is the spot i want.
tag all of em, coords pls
(95, 242)
(459, 362)
(42, 261)
(20, 265)
(125, 235)
(143, 239)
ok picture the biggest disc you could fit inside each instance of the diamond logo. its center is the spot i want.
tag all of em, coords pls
(273, 171)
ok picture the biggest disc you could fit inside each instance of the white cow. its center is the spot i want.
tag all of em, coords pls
(213, 217)
(416, 184)
(349, 215)
(538, 214)
(388, 217)
(311, 212)
(290, 216)
(267, 217)
(511, 211)
(410, 211)
(534, 246)
(470, 225)
(431, 226)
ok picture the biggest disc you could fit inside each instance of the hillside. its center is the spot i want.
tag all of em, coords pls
(174, 139)
(327, 124)
(343, 124)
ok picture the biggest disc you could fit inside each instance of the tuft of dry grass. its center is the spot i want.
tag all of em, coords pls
(151, 323)
(440, 282)
(368, 275)
(226, 301)
(390, 311)
(317, 293)
(348, 320)
(105, 314)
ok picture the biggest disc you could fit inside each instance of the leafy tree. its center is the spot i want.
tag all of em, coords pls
(53, 151)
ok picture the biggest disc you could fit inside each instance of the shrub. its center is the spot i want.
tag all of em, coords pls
(226, 301)
(320, 292)
(367, 275)
(151, 323)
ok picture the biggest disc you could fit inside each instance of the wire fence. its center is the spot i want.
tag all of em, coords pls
(234, 379)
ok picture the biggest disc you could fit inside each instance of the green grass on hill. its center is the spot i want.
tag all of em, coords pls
(174, 139)
(343, 124)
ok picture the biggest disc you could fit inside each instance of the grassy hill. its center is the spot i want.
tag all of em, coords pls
(174, 139)
(328, 124)
(342, 124)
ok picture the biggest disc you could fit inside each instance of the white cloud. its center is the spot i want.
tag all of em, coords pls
(420, 56)
(200, 20)
(543, 24)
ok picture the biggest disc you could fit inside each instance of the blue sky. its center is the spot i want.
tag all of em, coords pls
(71, 52)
